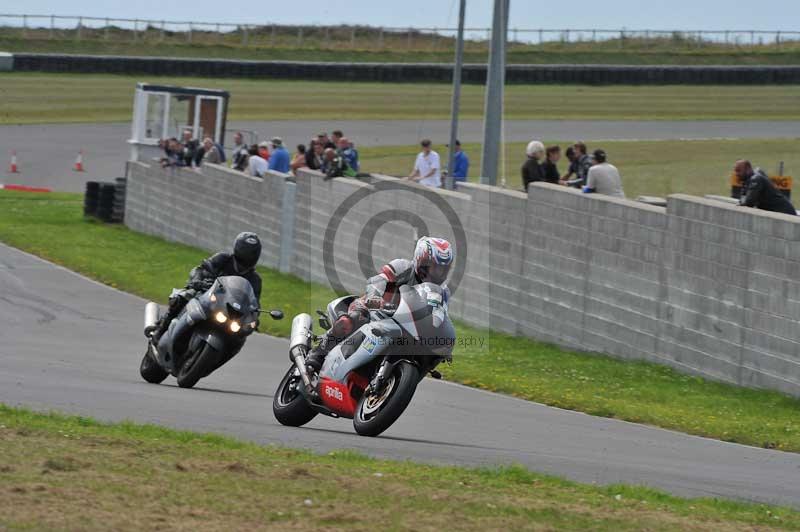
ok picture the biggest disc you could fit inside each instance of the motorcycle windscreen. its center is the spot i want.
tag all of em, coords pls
(237, 295)
(422, 313)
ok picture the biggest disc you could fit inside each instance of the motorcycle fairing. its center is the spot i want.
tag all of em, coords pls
(337, 367)
(175, 336)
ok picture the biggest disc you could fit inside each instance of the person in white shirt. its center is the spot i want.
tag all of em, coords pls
(427, 169)
(257, 166)
(603, 177)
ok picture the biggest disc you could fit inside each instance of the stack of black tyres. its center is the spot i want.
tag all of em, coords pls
(118, 209)
(105, 201)
(90, 198)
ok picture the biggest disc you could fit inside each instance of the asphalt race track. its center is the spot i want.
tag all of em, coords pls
(47, 152)
(70, 344)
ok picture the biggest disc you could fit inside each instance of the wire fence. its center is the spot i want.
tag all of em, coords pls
(79, 28)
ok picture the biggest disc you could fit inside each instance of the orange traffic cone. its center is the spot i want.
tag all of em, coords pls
(13, 168)
(79, 162)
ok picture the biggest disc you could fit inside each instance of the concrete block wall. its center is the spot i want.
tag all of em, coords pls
(708, 288)
(206, 208)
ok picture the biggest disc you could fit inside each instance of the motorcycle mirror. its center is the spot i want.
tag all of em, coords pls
(276, 314)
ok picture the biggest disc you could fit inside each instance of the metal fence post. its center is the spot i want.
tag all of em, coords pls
(594, 35)
(161, 33)
(327, 41)
(24, 26)
(135, 30)
(433, 39)
(189, 34)
(353, 37)
(80, 25)
(622, 38)
(244, 35)
(52, 26)
(778, 40)
(106, 29)
(380, 37)
(272, 36)
(408, 39)
(299, 36)
(541, 36)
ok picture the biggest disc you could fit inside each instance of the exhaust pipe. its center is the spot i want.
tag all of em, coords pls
(299, 344)
(151, 315)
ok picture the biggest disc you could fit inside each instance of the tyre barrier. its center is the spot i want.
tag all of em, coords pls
(412, 72)
(90, 198)
(105, 201)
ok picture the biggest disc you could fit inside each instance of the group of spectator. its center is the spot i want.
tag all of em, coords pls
(335, 156)
(591, 173)
(190, 152)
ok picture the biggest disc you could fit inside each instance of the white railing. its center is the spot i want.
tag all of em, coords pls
(93, 28)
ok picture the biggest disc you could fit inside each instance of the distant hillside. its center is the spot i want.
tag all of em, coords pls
(372, 44)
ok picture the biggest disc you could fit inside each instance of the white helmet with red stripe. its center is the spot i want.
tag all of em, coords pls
(432, 259)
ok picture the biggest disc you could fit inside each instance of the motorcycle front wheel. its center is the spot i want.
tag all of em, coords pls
(377, 411)
(198, 366)
(289, 406)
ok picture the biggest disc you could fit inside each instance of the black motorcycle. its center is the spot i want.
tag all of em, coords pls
(210, 330)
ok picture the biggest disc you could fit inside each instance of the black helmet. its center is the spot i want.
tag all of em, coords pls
(246, 251)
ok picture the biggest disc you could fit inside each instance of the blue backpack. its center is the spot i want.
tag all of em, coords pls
(221, 151)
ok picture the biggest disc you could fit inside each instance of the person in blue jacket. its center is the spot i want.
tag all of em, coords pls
(460, 163)
(279, 159)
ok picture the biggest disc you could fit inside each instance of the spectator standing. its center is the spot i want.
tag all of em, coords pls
(325, 141)
(335, 165)
(460, 163)
(582, 164)
(336, 136)
(349, 154)
(240, 152)
(173, 153)
(550, 164)
(427, 167)
(603, 177)
(299, 159)
(263, 150)
(192, 153)
(314, 155)
(279, 158)
(256, 164)
(211, 152)
(569, 153)
(532, 168)
(759, 191)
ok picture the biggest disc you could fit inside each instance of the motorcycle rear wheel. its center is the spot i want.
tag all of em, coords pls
(377, 412)
(150, 370)
(198, 367)
(291, 408)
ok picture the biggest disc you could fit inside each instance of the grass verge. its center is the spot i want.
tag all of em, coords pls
(52, 226)
(76, 473)
(50, 98)
(655, 168)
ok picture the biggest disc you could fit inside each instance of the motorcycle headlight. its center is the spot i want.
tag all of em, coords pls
(221, 317)
(235, 327)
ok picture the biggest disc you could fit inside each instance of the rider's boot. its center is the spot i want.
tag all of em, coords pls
(174, 308)
(317, 356)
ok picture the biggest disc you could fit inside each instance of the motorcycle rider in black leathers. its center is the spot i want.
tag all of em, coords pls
(432, 260)
(242, 262)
